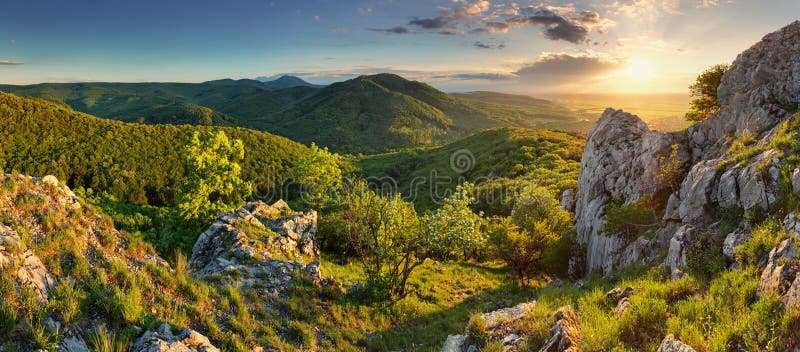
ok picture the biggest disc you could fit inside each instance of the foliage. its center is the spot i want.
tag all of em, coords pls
(8, 318)
(537, 229)
(387, 237)
(320, 173)
(454, 229)
(704, 92)
(213, 184)
(366, 114)
(763, 238)
(670, 167)
(138, 164)
(502, 160)
(706, 259)
(102, 340)
(633, 219)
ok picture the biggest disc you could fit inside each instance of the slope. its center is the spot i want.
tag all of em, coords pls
(135, 163)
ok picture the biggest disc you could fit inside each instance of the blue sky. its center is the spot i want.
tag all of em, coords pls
(522, 46)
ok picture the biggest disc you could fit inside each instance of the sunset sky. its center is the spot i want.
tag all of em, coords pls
(609, 46)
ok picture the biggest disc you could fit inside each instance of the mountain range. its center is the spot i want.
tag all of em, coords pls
(367, 114)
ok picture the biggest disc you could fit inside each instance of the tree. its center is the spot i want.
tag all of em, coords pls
(319, 172)
(704, 92)
(387, 237)
(454, 228)
(213, 183)
(531, 239)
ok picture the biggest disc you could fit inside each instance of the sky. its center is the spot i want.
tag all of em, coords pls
(603, 46)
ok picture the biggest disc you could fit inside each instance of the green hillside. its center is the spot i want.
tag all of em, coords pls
(367, 114)
(135, 163)
(498, 160)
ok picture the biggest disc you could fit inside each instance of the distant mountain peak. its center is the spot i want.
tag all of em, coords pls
(286, 81)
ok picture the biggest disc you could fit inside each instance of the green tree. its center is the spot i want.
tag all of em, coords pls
(320, 173)
(533, 239)
(213, 183)
(454, 228)
(704, 92)
(387, 237)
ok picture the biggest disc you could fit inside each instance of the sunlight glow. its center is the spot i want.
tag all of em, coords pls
(641, 70)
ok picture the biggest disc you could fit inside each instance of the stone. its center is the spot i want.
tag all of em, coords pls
(454, 343)
(796, 180)
(781, 269)
(52, 181)
(564, 335)
(568, 200)
(622, 305)
(73, 344)
(163, 340)
(28, 269)
(733, 240)
(671, 344)
(620, 159)
(679, 245)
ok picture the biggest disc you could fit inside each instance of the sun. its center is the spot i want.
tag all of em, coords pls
(641, 70)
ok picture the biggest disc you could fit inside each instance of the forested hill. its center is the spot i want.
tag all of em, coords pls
(134, 162)
(367, 114)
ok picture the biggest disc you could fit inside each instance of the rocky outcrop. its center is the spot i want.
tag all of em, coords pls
(28, 269)
(499, 327)
(671, 344)
(780, 276)
(163, 340)
(760, 88)
(622, 159)
(568, 200)
(258, 244)
(565, 334)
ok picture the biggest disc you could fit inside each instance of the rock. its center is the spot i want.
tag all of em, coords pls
(162, 340)
(472, 348)
(28, 269)
(671, 344)
(781, 269)
(565, 335)
(454, 343)
(554, 283)
(226, 251)
(52, 181)
(622, 305)
(733, 240)
(73, 344)
(680, 244)
(696, 190)
(796, 180)
(617, 293)
(758, 90)
(620, 159)
(568, 200)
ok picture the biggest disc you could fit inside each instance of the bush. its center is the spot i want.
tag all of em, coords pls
(477, 329)
(102, 340)
(644, 323)
(633, 219)
(706, 259)
(763, 239)
(8, 318)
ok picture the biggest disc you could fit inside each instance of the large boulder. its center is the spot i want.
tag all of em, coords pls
(27, 268)
(761, 87)
(163, 340)
(622, 159)
(780, 276)
(239, 249)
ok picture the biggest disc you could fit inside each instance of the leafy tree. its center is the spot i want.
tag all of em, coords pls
(704, 92)
(213, 182)
(531, 239)
(320, 173)
(454, 228)
(387, 237)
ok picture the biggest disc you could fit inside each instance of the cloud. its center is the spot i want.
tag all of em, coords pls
(482, 76)
(493, 27)
(563, 23)
(395, 30)
(482, 45)
(561, 68)
(449, 17)
(11, 62)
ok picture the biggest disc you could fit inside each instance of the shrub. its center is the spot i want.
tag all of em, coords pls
(102, 340)
(477, 329)
(456, 229)
(633, 219)
(68, 300)
(8, 318)
(763, 238)
(706, 259)
(644, 323)
(127, 304)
